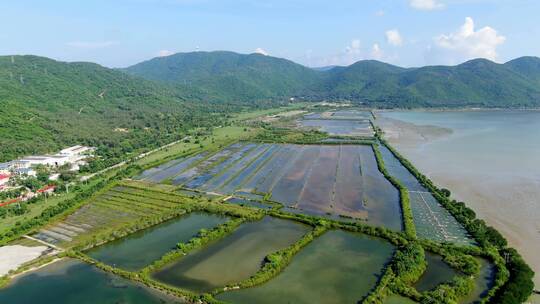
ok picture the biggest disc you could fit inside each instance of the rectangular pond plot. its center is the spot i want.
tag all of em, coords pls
(380, 198)
(176, 169)
(199, 174)
(253, 181)
(234, 258)
(277, 167)
(437, 272)
(288, 188)
(337, 267)
(71, 281)
(349, 189)
(339, 127)
(317, 193)
(236, 182)
(351, 114)
(397, 170)
(146, 174)
(235, 168)
(205, 180)
(434, 222)
(313, 116)
(141, 248)
(249, 195)
(249, 203)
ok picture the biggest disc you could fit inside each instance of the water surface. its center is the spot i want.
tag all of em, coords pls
(491, 160)
(233, 258)
(338, 267)
(437, 272)
(70, 281)
(141, 248)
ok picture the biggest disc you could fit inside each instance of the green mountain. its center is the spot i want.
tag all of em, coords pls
(46, 105)
(231, 76)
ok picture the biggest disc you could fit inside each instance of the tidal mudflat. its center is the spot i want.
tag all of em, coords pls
(489, 159)
(338, 267)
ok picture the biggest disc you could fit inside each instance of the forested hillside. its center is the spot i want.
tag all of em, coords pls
(231, 76)
(47, 105)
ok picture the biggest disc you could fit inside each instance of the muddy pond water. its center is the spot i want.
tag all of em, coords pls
(337, 267)
(140, 249)
(70, 281)
(234, 258)
(437, 272)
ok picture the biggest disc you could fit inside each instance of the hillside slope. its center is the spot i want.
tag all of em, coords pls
(46, 105)
(231, 76)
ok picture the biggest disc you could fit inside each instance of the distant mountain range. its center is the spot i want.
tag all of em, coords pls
(47, 104)
(231, 76)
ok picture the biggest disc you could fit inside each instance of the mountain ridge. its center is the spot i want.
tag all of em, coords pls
(477, 82)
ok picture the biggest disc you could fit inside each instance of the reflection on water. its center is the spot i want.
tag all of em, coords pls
(71, 281)
(233, 258)
(337, 267)
(143, 247)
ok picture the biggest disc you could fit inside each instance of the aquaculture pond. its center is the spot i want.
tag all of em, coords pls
(249, 203)
(339, 126)
(234, 258)
(437, 272)
(141, 248)
(70, 281)
(324, 180)
(482, 282)
(432, 220)
(170, 169)
(338, 267)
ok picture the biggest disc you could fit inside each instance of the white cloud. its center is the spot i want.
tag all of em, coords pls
(352, 53)
(164, 53)
(376, 52)
(426, 5)
(91, 44)
(468, 43)
(353, 48)
(380, 13)
(393, 37)
(261, 51)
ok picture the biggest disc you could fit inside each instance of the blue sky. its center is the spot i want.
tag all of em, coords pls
(118, 33)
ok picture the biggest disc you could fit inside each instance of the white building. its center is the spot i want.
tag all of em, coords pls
(46, 160)
(77, 150)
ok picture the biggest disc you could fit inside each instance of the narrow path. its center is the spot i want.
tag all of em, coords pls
(43, 242)
(87, 177)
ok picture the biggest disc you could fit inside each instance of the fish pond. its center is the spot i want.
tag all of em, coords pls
(233, 258)
(324, 180)
(437, 272)
(141, 248)
(432, 220)
(70, 281)
(337, 267)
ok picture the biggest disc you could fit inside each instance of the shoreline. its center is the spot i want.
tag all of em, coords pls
(503, 201)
